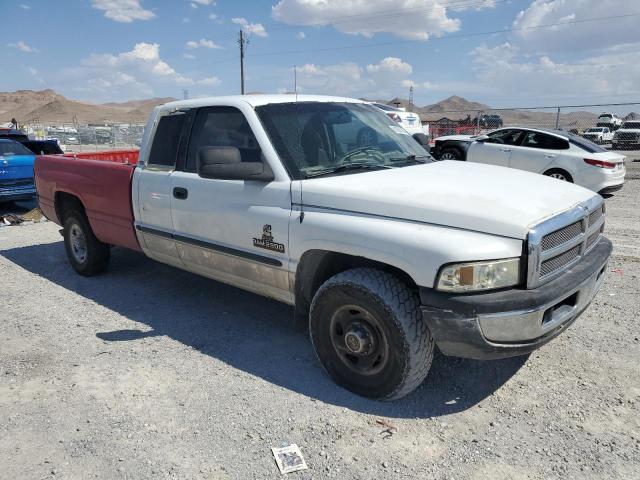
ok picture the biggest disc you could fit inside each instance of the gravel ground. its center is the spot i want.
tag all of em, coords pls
(151, 372)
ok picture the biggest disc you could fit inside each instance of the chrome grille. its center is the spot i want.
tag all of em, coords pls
(595, 216)
(593, 238)
(555, 263)
(557, 243)
(562, 236)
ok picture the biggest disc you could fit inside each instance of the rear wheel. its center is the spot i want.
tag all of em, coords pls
(451, 154)
(87, 255)
(367, 330)
(559, 174)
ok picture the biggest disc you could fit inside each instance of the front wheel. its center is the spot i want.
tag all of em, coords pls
(87, 255)
(367, 330)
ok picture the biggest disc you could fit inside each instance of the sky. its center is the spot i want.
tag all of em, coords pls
(505, 53)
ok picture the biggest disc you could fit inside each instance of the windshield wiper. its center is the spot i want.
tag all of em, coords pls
(411, 158)
(344, 167)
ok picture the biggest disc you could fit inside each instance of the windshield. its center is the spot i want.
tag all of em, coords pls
(321, 138)
(595, 130)
(13, 148)
(631, 125)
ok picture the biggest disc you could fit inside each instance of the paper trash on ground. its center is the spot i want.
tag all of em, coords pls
(289, 459)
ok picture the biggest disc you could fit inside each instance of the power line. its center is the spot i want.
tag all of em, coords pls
(386, 13)
(448, 37)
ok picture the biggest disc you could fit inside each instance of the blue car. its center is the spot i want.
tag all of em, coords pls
(16, 171)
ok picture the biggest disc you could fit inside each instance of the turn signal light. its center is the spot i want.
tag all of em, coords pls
(600, 163)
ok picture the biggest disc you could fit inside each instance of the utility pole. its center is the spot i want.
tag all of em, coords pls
(241, 42)
(411, 98)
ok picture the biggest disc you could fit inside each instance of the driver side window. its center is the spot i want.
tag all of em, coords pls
(505, 137)
(222, 127)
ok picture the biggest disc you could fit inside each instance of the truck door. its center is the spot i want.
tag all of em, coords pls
(235, 231)
(496, 150)
(154, 192)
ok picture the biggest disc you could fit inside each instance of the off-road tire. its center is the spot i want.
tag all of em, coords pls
(97, 255)
(397, 308)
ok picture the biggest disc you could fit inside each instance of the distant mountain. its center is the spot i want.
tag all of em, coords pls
(455, 103)
(47, 106)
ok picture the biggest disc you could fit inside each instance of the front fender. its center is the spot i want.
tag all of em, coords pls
(418, 249)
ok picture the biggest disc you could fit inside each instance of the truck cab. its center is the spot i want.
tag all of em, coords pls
(326, 204)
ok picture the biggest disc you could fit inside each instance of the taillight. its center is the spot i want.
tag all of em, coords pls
(395, 117)
(600, 163)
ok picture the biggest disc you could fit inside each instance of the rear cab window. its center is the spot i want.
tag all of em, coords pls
(166, 140)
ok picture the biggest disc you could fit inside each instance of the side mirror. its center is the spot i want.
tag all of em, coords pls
(482, 138)
(225, 163)
(422, 139)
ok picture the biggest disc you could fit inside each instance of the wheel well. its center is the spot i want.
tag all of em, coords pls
(65, 202)
(559, 170)
(317, 266)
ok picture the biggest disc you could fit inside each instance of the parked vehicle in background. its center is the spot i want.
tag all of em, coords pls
(383, 252)
(16, 171)
(598, 134)
(627, 136)
(488, 121)
(609, 120)
(410, 121)
(43, 147)
(555, 153)
(13, 134)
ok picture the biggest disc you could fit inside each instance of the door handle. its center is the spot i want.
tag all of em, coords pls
(505, 150)
(548, 155)
(180, 193)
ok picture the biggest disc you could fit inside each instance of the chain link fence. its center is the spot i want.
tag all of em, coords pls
(599, 123)
(88, 137)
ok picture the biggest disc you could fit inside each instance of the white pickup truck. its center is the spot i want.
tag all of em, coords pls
(384, 253)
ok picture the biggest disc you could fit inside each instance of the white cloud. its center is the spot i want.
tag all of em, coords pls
(204, 3)
(189, 56)
(144, 60)
(25, 7)
(575, 36)
(507, 71)
(202, 43)
(409, 19)
(255, 28)
(124, 11)
(23, 47)
(213, 16)
(209, 81)
(385, 79)
(301, 36)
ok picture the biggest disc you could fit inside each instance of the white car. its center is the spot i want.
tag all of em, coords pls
(410, 121)
(609, 120)
(598, 134)
(628, 135)
(554, 153)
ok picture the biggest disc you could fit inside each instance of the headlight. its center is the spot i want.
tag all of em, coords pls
(478, 276)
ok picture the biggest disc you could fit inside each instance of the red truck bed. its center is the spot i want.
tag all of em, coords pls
(101, 181)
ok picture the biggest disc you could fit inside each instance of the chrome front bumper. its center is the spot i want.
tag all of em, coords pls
(526, 325)
(517, 321)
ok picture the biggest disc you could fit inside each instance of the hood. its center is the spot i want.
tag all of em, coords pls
(471, 196)
(16, 166)
(629, 130)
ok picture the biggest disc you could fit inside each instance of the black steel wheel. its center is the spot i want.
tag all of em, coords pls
(367, 330)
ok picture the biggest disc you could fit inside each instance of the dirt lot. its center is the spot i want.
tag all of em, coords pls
(150, 372)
